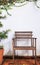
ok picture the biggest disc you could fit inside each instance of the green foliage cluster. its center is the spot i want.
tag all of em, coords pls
(7, 4)
(3, 34)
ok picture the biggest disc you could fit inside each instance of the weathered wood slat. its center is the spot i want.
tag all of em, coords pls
(24, 37)
(23, 32)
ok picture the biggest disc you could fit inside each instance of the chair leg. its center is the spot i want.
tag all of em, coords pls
(35, 51)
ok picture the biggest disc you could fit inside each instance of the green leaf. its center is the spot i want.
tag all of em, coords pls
(1, 24)
(2, 17)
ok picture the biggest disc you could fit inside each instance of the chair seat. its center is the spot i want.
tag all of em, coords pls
(24, 48)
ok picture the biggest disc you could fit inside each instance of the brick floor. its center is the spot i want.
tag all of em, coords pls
(21, 62)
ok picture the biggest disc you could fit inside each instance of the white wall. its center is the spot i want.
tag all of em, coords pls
(26, 18)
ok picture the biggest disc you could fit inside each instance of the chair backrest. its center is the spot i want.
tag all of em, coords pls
(23, 34)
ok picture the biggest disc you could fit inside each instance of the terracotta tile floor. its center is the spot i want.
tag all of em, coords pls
(21, 62)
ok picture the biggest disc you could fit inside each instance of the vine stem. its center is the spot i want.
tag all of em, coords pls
(7, 11)
(21, 4)
(36, 4)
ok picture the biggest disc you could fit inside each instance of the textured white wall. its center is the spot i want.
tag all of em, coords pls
(26, 18)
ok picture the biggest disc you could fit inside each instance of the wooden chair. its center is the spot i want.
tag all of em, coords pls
(24, 35)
